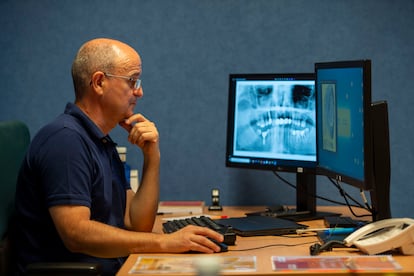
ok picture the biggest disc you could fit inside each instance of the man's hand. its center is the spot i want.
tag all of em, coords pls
(192, 238)
(142, 132)
(141, 207)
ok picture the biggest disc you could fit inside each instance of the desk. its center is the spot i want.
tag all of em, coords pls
(263, 255)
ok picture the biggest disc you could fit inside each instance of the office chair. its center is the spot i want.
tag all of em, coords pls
(14, 141)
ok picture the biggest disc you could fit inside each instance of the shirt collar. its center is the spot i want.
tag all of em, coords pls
(89, 125)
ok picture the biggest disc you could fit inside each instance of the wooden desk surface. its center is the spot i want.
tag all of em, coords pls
(283, 246)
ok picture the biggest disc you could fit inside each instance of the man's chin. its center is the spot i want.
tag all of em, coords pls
(128, 114)
(124, 119)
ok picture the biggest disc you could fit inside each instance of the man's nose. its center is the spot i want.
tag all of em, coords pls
(139, 92)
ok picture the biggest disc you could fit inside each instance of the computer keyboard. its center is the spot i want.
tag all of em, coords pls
(204, 221)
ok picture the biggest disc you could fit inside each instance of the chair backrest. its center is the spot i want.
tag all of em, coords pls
(14, 140)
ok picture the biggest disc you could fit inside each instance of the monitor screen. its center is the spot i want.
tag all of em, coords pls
(271, 122)
(344, 139)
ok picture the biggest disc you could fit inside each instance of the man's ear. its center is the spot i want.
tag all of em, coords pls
(97, 81)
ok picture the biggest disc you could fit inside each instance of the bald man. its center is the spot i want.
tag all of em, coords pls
(73, 203)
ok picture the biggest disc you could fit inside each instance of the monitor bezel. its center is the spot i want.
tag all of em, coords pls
(298, 166)
(368, 182)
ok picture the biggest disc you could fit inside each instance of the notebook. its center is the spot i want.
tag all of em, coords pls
(261, 226)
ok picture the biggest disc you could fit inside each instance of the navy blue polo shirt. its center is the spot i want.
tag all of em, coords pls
(69, 162)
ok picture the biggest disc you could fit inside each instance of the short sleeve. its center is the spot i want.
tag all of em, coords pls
(67, 169)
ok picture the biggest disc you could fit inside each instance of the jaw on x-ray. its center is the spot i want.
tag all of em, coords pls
(278, 119)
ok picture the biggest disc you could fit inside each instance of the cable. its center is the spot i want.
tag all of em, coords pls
(345, 195)
(284, 180)
(342, 192)
(317, 248)
(270, 245)
(361, 192)
(313, 195)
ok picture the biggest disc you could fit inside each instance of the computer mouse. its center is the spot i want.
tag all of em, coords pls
(223, 246)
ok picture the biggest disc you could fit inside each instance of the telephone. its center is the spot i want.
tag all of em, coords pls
(384, 235)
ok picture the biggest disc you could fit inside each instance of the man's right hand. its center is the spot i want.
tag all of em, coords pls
(192, 238)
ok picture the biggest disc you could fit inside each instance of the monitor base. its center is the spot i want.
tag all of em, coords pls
(292, 214)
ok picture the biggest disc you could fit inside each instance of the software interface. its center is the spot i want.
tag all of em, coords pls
(340, 113)
(274, 121)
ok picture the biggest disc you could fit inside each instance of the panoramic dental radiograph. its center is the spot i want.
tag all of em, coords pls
(276, 118)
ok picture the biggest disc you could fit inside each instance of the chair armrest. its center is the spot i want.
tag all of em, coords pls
(63, 269)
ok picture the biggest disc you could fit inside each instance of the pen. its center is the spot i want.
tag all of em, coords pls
(174, 213)
(338, 231)
(328, 231)
(219, 217)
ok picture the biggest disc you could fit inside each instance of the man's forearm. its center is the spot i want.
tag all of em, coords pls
(144, 204)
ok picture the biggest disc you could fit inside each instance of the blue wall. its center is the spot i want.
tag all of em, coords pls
(188, 49)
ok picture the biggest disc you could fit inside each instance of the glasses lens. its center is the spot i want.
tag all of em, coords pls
(137, 84)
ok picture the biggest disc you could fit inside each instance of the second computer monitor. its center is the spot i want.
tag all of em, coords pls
(344, 134)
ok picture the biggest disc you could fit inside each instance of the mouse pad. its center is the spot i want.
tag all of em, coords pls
(261, 226)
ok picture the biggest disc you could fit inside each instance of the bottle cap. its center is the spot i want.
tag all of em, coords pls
(121, 150)
(122, 153)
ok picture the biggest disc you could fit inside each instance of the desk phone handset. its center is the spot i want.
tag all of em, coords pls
(377, 237)
(384, 235)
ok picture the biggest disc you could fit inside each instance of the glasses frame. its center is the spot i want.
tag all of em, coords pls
(136, 83)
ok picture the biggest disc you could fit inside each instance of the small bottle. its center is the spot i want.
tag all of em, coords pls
(134, 180)
(122, 151)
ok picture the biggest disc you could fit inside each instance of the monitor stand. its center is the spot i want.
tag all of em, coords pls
(306, 198)
(305, 202)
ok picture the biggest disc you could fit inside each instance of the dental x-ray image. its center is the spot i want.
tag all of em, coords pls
(275, 118)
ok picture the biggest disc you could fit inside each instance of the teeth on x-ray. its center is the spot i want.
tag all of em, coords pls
(282, 118)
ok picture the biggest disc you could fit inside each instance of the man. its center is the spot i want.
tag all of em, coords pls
(73, 202)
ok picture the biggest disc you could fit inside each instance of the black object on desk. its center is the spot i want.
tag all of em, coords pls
(261, 226)
(341, 221)
(281, 211)
(215, 201)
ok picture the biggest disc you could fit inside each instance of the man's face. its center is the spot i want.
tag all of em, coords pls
(121, 96)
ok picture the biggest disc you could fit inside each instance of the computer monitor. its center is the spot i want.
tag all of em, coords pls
(272, 122)
(350, 127)
(272, 126)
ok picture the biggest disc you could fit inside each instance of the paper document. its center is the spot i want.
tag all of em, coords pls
(383, 263)
(186, 264)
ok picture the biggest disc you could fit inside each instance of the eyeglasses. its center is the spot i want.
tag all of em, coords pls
(135, 83)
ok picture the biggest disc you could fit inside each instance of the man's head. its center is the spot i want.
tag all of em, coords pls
(105, 73)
